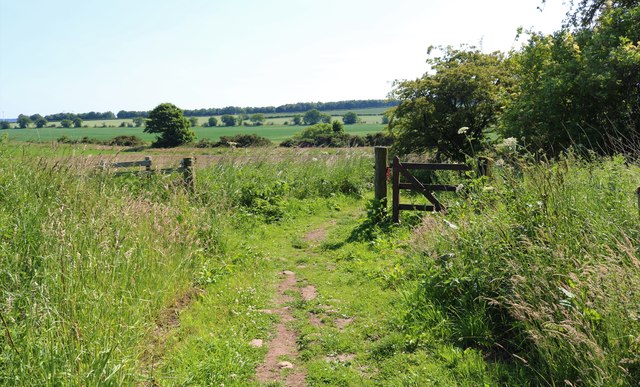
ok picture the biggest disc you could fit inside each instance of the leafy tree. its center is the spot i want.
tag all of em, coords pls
(168, 120)
(325, 118)
(35, 117)
(580, 87)
(193, 121)
(297, 119)
(213, 121)
(77, 122)
(242, 117)
(23, 121)
(312, 117)
(337, 127)
(41, 122)
(66, 123)
(350, 118)
(5, 125)
(228, 120)
(138, 121)
(257, 119)
(450, 110)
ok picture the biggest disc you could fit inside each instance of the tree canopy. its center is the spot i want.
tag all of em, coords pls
(168, 120)
(228, 120)
(579, 87)
(23, 121)
(350, 118)
(312, 117)
(450, 109)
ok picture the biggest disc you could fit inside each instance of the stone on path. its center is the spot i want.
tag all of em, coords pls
(285, 364)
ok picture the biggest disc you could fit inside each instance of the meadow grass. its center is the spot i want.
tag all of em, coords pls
(531, 277)
(541, 272)
(89, 260)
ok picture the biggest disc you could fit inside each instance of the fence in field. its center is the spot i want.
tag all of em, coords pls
(410, 182)
(401, 169)
(186, 168)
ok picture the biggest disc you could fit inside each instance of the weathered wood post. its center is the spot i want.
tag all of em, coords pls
(147, 167)
(395, 182)
(380, 176)
(189, 174)
(638, 193)
(485, 166)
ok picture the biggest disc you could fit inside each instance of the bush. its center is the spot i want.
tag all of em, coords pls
(126, 141)
(240, 140)
(116, 141)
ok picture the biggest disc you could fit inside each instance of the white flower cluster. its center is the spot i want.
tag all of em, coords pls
(508, 145)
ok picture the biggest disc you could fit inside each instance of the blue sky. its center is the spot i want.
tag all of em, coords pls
(80, 55)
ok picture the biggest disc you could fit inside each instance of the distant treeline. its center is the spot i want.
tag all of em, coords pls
(83, 116)
(299, 107)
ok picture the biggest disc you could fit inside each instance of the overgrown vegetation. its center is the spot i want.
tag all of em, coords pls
(116, 141)
(574, 88)
(539, 273)
(333, 136)
(90, 260)
(239, 140)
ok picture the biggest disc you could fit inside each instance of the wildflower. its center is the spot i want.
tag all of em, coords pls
(463, 130)
(507, 145)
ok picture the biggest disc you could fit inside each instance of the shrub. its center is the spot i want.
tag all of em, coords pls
(239, 140)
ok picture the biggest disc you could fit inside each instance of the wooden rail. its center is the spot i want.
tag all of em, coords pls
(186, 167)
(147, 163)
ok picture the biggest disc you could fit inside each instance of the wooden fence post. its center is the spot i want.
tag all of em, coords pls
(485, 166)
(638, 193)
(380, 177)
(395, 181)
(189, 174)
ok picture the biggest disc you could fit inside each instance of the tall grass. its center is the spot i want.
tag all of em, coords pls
(89, 260)
(542, 274)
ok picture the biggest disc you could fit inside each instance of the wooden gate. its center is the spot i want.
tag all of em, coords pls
(412, 183)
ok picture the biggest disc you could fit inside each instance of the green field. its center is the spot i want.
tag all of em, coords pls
(275, 133)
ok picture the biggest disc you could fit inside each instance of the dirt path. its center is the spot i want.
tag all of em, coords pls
(281, 363)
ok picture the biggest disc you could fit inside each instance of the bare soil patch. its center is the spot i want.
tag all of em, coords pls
(283, 344)
(317, 235)
(342, 323)
(309, 293)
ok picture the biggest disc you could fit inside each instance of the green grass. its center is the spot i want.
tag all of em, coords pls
(90, 261)
(130, 280)
(275, 133)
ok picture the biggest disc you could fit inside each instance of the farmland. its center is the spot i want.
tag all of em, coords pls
(276, 128)
(275, 133)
